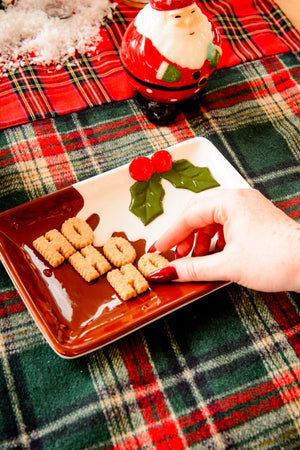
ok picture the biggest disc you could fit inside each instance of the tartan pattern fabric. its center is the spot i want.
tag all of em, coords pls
(250, 29)
(221, 373)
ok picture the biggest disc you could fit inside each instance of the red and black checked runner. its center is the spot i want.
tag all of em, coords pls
(250, 29)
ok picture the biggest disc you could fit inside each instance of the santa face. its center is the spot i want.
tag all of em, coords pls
(187, 18)
(181, 35)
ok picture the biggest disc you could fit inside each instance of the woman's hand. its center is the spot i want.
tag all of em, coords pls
(258, 246)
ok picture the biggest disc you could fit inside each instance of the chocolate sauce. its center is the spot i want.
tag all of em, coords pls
(93, 221)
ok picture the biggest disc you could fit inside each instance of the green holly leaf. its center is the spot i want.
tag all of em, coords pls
(185, 175)
(146, 198)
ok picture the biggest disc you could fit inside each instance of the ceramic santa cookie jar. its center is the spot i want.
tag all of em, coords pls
(169, 51)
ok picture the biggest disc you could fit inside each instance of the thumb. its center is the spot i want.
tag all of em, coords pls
(213, 267)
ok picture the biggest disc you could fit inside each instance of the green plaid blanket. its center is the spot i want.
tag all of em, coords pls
(221, 373)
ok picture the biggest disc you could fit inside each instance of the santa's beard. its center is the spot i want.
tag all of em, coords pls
(175, 44)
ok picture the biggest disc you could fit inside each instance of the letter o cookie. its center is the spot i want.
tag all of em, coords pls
(119, 251)
(78, 232)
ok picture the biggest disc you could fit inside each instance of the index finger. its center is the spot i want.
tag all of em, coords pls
(202, 211)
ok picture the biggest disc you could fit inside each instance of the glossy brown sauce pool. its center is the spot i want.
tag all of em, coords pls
(74, 311)
(78, 305)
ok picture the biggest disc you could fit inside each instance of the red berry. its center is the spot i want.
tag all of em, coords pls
(141, 168)
(162, 161)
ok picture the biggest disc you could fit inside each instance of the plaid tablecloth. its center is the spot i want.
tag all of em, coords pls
(251, 29)
(221, 373)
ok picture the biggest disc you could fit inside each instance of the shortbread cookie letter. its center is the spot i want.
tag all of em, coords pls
(128, 281)
(54, 247)
(89, 263)
(78, 232)
(150, 262)
(119, 251)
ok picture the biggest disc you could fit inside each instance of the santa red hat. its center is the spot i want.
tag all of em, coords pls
(169, 5)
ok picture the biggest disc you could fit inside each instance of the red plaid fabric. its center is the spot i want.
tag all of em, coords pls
(250, 29)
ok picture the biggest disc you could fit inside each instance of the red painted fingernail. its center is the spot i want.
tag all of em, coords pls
(163, 275)
(152, 248)
(220, 244)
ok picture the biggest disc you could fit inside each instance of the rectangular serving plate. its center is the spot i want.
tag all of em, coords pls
(77, 317)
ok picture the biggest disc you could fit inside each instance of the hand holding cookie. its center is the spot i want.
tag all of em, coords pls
(258, 245)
